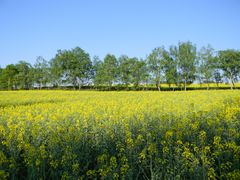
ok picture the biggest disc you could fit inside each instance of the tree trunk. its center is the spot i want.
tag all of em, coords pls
(231, 79)
(200, 82)
(207, 86)
(232, 84)
(185, 85)
(9, 82)
(158, 86)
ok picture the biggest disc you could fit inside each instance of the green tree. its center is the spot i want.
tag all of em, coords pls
(71, 66)
(186, 57)
(132, 71)
(97, 71)
(170, 69)
(206, 64)
(217, 74)
(24, 77)
(155, 62)
(125, 68)
(41, 72)
(175, 77)
(109, 70)
(138, 72)
(57, 67)
(229, 62)
(79, 67)
(8, 77)
(98, 79)
(217, 77)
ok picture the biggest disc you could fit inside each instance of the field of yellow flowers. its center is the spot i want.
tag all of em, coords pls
(119, 135)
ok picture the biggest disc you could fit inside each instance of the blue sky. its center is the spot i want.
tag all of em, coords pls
(133, 27)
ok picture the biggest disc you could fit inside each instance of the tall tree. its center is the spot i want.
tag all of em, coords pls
(186, 56)
(57, 67)
(24, 77)
(80, 67)
(72, 66)
(132, 71)
(41, 72)
(95, 63)
(109, 70)
(173, 54)
(97, 71)
(229, 62)
(218, 73)
(124, 70)
(8, 77)
(217, 77)
(206, 64)
(138, 71)
(155, 62)
(170, 70)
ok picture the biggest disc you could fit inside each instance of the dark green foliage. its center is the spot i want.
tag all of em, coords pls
(156, 61)
(170, 70)
(207, 65)
(41, 72)
(24, 77)
(71, 66)
(229, 62)
(186, 59)
(107, 71)
(132, 71)
(8, 79)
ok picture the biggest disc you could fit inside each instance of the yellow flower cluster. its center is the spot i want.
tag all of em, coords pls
(119, 135)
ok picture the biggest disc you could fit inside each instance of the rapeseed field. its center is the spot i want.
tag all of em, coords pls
(119, 135)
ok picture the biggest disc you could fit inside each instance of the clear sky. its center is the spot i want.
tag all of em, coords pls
(30, 28)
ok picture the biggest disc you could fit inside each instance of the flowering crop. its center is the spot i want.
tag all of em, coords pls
(120, 135)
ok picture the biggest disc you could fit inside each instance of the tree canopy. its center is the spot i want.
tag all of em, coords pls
(179, 65)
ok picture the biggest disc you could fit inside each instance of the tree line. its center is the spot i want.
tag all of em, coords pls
(177, 66)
